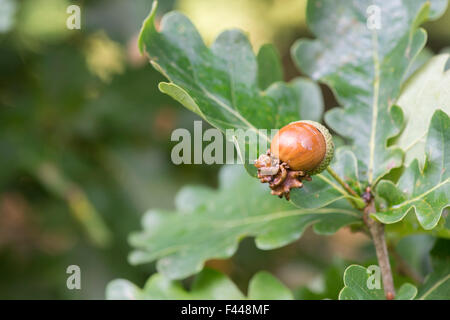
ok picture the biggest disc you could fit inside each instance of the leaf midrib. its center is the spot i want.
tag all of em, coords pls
(432, 288)
(404, 203)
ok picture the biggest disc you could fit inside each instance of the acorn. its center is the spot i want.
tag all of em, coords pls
(303, 145)
(298, 151)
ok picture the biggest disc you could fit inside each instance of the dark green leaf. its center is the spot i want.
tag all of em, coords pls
(415, 251)
(325, 190)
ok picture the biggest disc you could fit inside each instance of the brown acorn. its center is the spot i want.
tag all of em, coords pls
(298, 150)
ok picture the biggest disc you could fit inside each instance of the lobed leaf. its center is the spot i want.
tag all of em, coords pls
(207, 227)
(365, 68)
(437, 284)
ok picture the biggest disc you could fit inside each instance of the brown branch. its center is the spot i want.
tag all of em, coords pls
(376, 230)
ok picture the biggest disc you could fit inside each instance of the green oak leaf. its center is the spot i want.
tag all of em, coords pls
(210, 223)
(356, 281)
(424, 189)
(270, 69)
(437, 284)
(415, 251)
(422, 58)
(409, 225)
(422, 94)
(365, 68)
(222, 84)
(330, 282)
(208, 285)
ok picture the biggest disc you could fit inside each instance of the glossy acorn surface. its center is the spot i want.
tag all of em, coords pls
(304, 145)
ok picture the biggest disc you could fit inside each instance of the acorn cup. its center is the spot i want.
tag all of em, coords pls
(298, 151)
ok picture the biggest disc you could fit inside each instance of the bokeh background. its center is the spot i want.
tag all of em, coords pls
(85, 145)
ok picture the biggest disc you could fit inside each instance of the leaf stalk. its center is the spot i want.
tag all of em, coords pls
(346, 187)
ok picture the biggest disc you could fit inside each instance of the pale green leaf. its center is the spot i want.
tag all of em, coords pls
(121, 289)
(424, 93)
(211, 284)
(222, 85)
(357, 287)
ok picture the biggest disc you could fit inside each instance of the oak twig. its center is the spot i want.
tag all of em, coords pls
(376, 230)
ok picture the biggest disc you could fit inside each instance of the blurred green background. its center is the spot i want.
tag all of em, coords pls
(85, 144)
